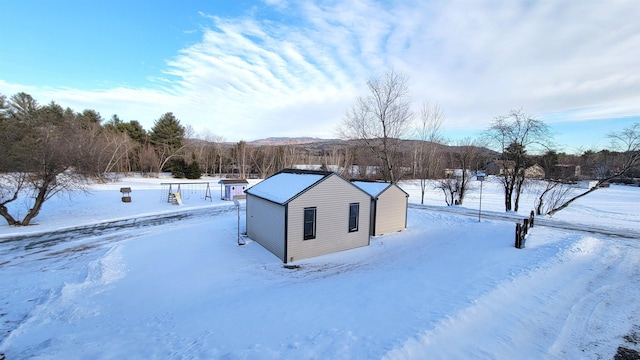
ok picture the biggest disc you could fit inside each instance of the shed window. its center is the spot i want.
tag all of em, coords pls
(354, 211)
(309, 223)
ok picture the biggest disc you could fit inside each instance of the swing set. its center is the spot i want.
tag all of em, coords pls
(176, 193)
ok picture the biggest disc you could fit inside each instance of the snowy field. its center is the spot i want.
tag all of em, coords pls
(97, 278)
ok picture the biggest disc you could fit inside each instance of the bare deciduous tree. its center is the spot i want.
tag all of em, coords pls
(116, 148)
(49, 159)
(210, 151)
(13, 183)
(57, 168)
(465, 156)
(552, 194)
(334, 159)
(240, 158)
(263, 159)
(627, 142)
(450, 188)
(512, 135)
(430, 137)
(289, 155)
(148, 159)
(381, 119)
(458, 181)
(220, 150)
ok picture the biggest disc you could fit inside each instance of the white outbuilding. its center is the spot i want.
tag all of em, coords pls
(298, 214)
(232, 188)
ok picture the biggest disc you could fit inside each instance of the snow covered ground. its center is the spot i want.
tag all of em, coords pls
(99, 278)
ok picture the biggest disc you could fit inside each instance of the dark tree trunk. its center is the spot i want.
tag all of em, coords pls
(37, 205)
(5, 214)
(519, 182)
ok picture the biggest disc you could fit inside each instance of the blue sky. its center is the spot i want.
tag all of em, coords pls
(253, 69)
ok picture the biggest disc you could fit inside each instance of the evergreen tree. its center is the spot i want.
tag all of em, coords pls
(133, 128)
(167, 136)
(89, 117)
(167, 132)
(136, 131)
(192, 171)
(549, 161)
(178, 167)
(21, 106)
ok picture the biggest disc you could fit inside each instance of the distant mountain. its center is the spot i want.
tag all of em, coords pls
(316, 145)
(289, 141)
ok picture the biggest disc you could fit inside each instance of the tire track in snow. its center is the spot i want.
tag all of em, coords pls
(556, 310)
(61, 254)
(596, 312)
(76, 239)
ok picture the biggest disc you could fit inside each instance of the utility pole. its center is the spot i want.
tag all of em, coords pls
(480, 177)
(237, 203)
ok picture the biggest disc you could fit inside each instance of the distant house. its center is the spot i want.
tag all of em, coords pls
(298, 214)
(564, 171)
(502, 167)
(388, 206)
(230, 188)
(587, 184)
(450, 173)
(534, 171)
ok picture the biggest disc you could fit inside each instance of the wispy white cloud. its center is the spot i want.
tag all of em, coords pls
(545, 56)
(296, 74)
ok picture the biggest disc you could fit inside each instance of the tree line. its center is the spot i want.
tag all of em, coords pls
(48, 150)
(380, 119)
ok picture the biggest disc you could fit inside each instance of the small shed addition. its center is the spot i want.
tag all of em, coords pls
(388, 206)
(232, 188)
(298, 214)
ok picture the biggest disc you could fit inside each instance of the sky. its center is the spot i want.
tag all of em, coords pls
(247, 70)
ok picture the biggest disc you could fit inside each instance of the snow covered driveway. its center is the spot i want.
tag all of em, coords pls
(447, 287)
(571, 305)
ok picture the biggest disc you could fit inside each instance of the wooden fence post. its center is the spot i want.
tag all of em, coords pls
(531, 218)
(521, 233)
(523, 230)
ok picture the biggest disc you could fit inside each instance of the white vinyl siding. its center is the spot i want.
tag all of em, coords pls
(391, 211)
(331, 198)
(265, 224)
